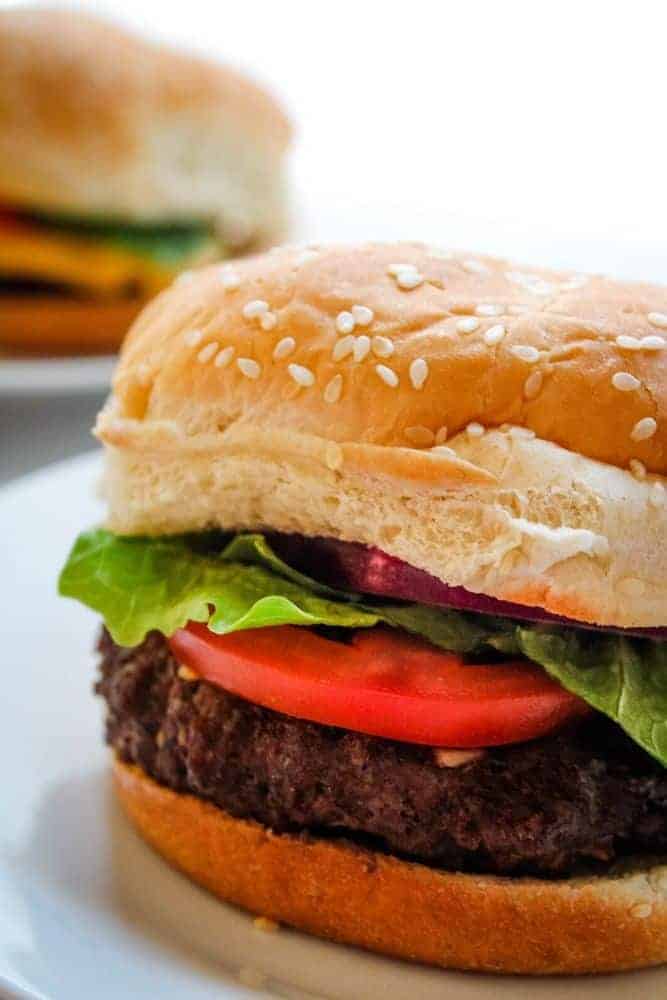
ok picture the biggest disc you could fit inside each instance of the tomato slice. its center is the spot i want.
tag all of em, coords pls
(384, 683)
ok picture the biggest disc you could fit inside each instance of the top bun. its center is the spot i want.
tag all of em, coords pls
(314, 391)
(96, 121)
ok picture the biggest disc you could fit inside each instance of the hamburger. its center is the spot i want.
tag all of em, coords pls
(122, 162)
(383, 581)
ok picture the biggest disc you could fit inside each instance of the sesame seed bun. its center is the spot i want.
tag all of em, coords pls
(95, 121)
(309, 391)
(395, 907)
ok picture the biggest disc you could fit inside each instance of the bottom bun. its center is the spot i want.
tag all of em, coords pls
(379, 902)
(61, 325)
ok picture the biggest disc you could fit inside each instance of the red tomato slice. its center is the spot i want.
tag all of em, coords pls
(384, 683)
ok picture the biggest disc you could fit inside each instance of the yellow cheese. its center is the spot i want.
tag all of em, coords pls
(81, 262)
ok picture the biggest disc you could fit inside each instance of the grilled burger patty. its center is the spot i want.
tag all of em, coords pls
(586, 795)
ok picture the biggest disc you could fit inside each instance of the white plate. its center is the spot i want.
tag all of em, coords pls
(54, 376)
(86, 910)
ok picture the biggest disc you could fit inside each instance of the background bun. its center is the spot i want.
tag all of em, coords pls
(95, 121)
(335, 890)
(503, 428)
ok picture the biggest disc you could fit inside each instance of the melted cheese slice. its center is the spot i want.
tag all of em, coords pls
(80, 262)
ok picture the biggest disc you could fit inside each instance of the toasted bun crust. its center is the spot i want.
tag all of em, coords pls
(96, 121)
(328, 888)
(210, 424)
(62, 325)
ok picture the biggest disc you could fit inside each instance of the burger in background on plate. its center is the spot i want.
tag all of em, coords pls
(122, 162)
(384, 581)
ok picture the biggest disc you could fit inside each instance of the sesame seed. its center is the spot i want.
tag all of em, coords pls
(184, 278)
(657, 495)
(474, 430)
(644, 429)
(144, 374)
(343, 347)
(388, 375)
(519, 433)
(301, 375)
(442, 449)
(525, 352)
(474, 267)
(333, 389)
(494, 334)
(284, 348)
(363, 316)
(362, 346)
(409, 279)
(255, 308)
(642, 910)
(395, 269)
(418, 373)
(224, 357)
(467, 325)
(382, 347)
(192, 338)
(628, 343)
(652, 343)
(519, 309)
(488, 309)
(345, 322)
(229, 279)
(207, 352)
(637, 468)
(268, 320)
(441, 435)
(533, 385)
(658, 319)
(421, 437)
(249, 368)
(624, 381)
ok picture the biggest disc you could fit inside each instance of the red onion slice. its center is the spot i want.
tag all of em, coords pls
(352, 566)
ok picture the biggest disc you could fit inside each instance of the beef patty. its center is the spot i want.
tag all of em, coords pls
(586, 795)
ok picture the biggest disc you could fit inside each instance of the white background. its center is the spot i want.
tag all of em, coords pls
(533, 128)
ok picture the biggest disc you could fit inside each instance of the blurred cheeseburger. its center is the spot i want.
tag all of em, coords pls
(121, 163)
(383, 581)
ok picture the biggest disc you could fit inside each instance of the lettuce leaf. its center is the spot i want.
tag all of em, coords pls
(141, 584)
(166, 243)
(624, 678)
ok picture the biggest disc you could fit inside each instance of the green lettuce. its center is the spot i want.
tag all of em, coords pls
(624, 678)
(168, 244)
(141, 584)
